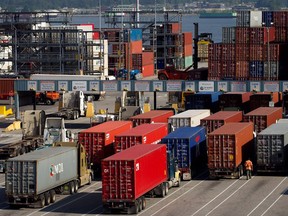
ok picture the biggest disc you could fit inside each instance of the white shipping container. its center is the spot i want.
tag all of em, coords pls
(255, 18)
(188, 118)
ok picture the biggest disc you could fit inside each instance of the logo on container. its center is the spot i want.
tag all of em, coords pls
(56, 169)
(107, 136)
(137, 167)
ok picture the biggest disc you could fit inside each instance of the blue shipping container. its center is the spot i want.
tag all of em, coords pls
(189, 147)
(267, 18)
(256, 69)
(160, 64)
(203, 100)
(135, 35)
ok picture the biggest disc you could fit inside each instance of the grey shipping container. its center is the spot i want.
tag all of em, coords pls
(271, 148)
(32, 174)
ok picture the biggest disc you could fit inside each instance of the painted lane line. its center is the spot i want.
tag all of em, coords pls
(214, 198)
(267, 196)
(50, 211)
(227, 198)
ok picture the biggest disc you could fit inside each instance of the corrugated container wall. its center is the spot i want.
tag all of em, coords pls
(228, 34)
(262, 99)
(6, 86)
(262, 117)
(271, 149)
(98, 140)
(148, 70)
(33, 173)
(235, 101)
(229, 146)
(142, 134)
(267, 18)
(249, 18)
(189, 146)
(188, 118)
(140, 168)
(153, 116)
(220, 118)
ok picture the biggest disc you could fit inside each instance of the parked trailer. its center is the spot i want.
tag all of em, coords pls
(153, 116)
(142, 134)
(265, 99)
(228, 147)
(144, 170)
(220, 118)
(98, 140)
(235, 101)
(271, 149)
(34, 178)
(203, 100)
(189, 147)
(262, 117)
(188, 118)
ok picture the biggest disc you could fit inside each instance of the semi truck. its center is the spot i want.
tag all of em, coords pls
(144, 170)
(34, 179)
(47, 97)
(72, 105)
(37, 131)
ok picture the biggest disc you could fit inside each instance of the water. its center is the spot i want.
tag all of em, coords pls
(213, 26)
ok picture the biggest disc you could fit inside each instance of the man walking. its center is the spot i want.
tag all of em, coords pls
(249, 167)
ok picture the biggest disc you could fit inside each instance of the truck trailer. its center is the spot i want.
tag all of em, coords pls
(33, 179)
(144, 170)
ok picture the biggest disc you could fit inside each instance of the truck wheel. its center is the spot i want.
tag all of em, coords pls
(49, 102)
(163, 190)
(42, 200)
(52, 196)
(136, 210)
(143, 203)
(72, 187)
(76, 186)
(162, 77)
(166, 188)
(140, 204)
(77, 114)
(90, 180)
(47, 198)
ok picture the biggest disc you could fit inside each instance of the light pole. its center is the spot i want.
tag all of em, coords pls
(268, 48)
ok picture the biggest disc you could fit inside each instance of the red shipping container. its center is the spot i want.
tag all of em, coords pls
(130, 174)
(135, 47)
(142, 134)
(214, 69)
(256, 52)
(98, 140)
(153, 116)
(187, 50)
(242, 52)
(242, 35)
(274, 52)
(242, 70)
(187, 38)
(148, 70)
(262, 99)
(228, 69)
(220, 118)
(147, 58)
(173, 28)
(6, 88)
(228, 147)
(280, 18)
(281, 34)
(215, 51)
(263, 117)
(262, 35)
(228, 52)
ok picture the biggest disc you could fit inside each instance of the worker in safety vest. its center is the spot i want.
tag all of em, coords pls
(249, 167)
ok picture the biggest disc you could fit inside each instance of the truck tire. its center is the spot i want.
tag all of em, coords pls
(90, 180)
(162, 77)
(52, 196)
(47, 198)
(42, 200)
(140, 204)
(143, 202)
(166, 188)
(163, 190)
(76, 186)
(48, 102)
(71, 187)
(136, 207)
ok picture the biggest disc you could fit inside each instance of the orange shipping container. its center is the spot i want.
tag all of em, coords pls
(228, 147)
(187, 38)
(147, 58)
(188, 50)
(135, 47)
(148, 70)
(174, 27)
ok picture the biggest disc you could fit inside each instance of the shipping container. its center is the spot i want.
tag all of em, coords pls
(147, 58)
(220, 118)
(132, 35)
(214, 69)
(148, 70)
(267, 18)
(262, 35)
(256, 52)
(6, 88)
(228, 70)
(135, 47)
(228, 52)
(280, 18)
(203, 100)
(215, 51)
(242, 35)
(281, 34)
(271, 149)
(98, 140)
(142, 134)
(188, 118)
(189, 145)
(228, 34)
(188, 61)
(262, 117)
(153, 116)
(235, 101)
(187, 38)
(187, 50)
(228, 147)
(264, 99)
(130, 175)
(249, 18)
(242, 52)
(256, 70)
(242, 70)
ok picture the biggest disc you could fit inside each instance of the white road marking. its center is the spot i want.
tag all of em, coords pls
(267, 196)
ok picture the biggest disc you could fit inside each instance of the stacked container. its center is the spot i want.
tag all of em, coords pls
(271, 149)
(147, 63)
(220, 118)
(188, 118)
(142, 134)
(189, 147)
(187, 49)
(262, 117)
(6, 87)
(203, 100)
(264, 99)
(153, 116)
(228, 147)
(235, 101)
(98, 140)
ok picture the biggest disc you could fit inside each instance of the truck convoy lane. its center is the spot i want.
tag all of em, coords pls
(33, 179)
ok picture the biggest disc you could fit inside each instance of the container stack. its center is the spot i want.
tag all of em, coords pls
(253, 50)
(187, 49)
